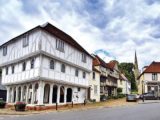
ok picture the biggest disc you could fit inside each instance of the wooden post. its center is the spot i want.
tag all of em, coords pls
(56, 106)
(72, 104)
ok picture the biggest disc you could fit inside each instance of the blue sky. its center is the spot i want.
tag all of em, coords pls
(118, 26)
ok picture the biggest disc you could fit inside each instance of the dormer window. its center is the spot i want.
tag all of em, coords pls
(25, 40)
(4, 50)
(60, 45)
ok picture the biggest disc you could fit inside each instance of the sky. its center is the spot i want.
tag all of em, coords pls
(117, 26)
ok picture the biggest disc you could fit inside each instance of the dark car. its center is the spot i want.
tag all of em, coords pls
(149, 96)
(131, 97)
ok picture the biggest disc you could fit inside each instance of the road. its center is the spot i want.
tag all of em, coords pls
(149, 111)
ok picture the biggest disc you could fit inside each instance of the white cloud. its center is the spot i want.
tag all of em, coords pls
(118, 26)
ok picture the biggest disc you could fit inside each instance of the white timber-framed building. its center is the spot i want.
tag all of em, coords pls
(44, 66)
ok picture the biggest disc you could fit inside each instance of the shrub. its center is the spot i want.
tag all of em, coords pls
(119, 90)
(20, 106)
(2, 103)
(121, 95)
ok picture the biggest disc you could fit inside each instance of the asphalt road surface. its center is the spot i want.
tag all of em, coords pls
(150, 111)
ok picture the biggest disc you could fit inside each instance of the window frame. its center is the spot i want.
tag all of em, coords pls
(63, 68)
(94, 75)
(25, 40)
(84, 57)
(13, 69)
(76, 72)
(6, 70)
(154, 76)
(52, 64)
(84, 75)
(32, 62)
(4, 50)
(23, 66)
(60, 45)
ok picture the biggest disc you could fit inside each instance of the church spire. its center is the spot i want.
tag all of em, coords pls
(135, 61)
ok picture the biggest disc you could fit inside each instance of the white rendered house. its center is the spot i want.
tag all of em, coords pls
(45, 66)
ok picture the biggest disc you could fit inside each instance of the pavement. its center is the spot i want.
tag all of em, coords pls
(135, 112)
(107, 104)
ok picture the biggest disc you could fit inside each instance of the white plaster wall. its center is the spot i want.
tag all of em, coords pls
(15, 49)
(96, 82)
(56, 74)
(19, 75)
(79, 96)
(70, 53)
(148, 76)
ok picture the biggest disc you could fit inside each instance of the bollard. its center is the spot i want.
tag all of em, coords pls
(72, 104)
(84, 102)
(56, 106)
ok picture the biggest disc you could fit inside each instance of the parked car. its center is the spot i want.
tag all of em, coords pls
(132, 97)
(149, 96)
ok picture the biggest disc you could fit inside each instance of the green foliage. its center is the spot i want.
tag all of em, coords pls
(127, 70)
(121, 95)
(119, 90)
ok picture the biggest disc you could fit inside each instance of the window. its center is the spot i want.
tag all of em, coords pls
(84, 57)
(13, 69)
(79, 89)
(51, 64)
(154, 76)
(84, 75)
(24, 66)
(60, 45)
(32, 63)
(63, 68)
(95, 89)
(4, 50)
(25, 40)
(94, 75)
(76, 72)
(6, 70)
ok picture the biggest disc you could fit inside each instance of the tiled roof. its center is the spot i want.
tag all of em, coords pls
(56, 32)
(96, 70)
(98, 61)
(154, 67)
(111, 64)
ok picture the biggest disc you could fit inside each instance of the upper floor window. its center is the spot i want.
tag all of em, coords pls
(24, 66)
(25, 40)
(4, 50)
(154, 76)
(32, 63)
(63, 68)
(51, 64)
(78, 89)
(76, 72)
(6, 70)
(94, 75)
(84, 75)
(60, 45)
(84, 57)
(13, 69)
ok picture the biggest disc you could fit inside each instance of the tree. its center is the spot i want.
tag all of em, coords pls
(127, 70)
